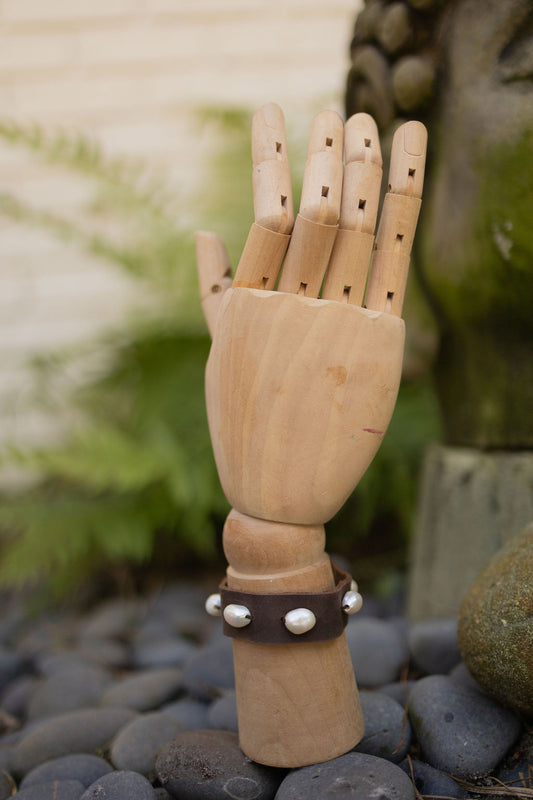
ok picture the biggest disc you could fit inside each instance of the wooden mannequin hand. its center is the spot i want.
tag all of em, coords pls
(302, 376)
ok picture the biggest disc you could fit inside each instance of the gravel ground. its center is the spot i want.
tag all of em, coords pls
(136, 700)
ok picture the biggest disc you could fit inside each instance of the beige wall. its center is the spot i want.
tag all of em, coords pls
(130, 73)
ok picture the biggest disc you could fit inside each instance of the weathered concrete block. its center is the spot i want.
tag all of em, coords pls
(471, 503)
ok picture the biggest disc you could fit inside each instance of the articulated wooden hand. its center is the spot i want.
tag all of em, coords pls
(301, 384)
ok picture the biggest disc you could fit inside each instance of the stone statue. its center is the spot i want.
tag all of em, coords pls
(465, 67)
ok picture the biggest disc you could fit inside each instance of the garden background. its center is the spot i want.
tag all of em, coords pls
(124, 127)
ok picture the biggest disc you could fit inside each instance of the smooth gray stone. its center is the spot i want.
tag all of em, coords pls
(430, 781)
(13, 738)
(393, 606)
(387, 729)
(182, 606)
(12, 622)
(460, 675)
(399, 691)
(7, 785)
(162, 794)
(215, 634)
(372, 607)
(170, 652)
(223, 713)
(48, 664)
(47, 632)
(153, 629)
(106, 652)
(144, 691)
(16, 695)
(11, 665)
(378, 651)
(433, 645)
(82, 767)
(6, 757)
(209, 670)
(209, 765)
(136, 745)
(460, 730)
(357, 776)
(114, 619)
(401, 624)
(82, 731)
(70, 689)
(120, 786)
(52, 790)
(192, 714)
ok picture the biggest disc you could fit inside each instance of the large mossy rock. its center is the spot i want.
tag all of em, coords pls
(496, 625)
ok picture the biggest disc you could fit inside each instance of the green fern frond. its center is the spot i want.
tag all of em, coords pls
(78, 153)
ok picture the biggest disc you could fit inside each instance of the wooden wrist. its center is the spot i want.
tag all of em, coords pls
(270, 557)
(297, 703)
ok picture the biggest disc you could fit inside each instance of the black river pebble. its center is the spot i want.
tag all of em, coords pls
(357, 776)
(167, 660)
(460, 730)
(209, 765)
(82, 767)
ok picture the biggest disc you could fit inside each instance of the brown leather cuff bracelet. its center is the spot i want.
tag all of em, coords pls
(268, 618)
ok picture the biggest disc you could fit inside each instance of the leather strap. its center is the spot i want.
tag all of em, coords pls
(268, 612)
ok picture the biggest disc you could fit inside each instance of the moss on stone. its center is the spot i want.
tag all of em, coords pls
(495, 626)
(482, 291)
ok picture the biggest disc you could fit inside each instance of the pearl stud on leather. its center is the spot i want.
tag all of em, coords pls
(213, 605)
(300, 620)
(237, 616)
(352, 602)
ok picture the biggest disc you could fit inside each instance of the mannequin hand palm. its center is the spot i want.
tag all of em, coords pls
(300, 390)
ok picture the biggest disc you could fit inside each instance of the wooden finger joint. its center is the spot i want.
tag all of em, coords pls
(307, 257)
(348, 266)
(261, 258)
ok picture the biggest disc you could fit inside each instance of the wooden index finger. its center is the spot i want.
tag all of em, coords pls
(394, 240)
(316, 224)
(269, 235)
(348, 266)
(273, 207)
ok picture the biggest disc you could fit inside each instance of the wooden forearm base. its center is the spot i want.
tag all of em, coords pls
(297, 703)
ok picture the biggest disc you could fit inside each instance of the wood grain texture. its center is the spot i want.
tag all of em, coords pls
(299, 394)
(297, 703)
(323, 174)
(390, 264)
(261, 258)
(305, 700)
(273, 206)
(269, 556)
(214, 274)
(345, 279)
(307, 257)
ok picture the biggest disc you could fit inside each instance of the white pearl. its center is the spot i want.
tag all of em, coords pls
(213, 605)
(352, 602)
(237, 616)
(354, 587)
(300, 620)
